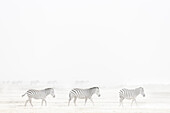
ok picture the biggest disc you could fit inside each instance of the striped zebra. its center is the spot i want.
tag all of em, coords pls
(83, 94)
(38, 94)
(130, 94)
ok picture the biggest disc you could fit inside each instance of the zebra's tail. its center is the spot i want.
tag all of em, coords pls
(24, 94)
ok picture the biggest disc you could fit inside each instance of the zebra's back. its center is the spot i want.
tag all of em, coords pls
(36, 94)
(127, 93)
(80, 93)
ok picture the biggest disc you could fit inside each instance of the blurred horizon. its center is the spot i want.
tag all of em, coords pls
(77, 82)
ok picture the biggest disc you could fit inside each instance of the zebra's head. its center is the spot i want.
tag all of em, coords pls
(51, 92)
(142, 91)
(97, 92)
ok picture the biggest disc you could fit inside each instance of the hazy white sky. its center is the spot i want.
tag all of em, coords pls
(107, 41)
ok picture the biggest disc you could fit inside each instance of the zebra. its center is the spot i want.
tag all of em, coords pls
(130, 94)
(38, 94)
(83, 94)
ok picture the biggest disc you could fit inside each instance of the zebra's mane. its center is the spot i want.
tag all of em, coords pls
(132, 89)
(139, 88)
(48, 88)
(94, 88)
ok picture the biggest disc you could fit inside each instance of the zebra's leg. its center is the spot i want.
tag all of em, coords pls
(69, 101)
(26, 102)
(132, 102)
(75, 101)
(135, 102)
(85, 101)
(45, 102)
(121, 102)
(42, 102)
(31, 102)
(92, 101)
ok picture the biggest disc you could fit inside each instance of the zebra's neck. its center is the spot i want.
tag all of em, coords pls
(92, 91)
(47, 92)
(137, 92)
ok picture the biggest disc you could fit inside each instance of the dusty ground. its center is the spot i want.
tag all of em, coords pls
(157, 100)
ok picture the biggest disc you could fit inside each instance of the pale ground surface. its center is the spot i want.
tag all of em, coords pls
(157, 100)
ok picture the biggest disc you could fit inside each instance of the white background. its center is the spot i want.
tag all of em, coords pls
(103, 41)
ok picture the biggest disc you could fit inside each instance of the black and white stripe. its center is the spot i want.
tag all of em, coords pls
(130, 94)
(83, 94)
(38, 94)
